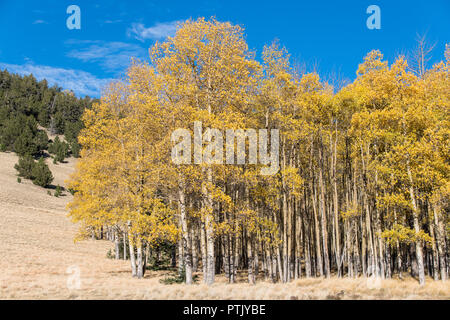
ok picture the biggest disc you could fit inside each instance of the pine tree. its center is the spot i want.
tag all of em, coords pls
(25, 166)
(42, 176)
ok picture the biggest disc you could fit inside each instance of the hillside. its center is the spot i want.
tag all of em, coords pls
(38, 253)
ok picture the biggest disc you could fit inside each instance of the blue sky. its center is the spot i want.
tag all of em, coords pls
(331, 36)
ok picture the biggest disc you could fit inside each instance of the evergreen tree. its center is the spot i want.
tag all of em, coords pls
(59, 148)
(26, 143)
(42, 176)
(25, 166)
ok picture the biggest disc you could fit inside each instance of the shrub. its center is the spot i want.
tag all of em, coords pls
(41, 140)
(25, 166)
(75, 148)
(58, 191)
(110, 254)
(60, 149)
(61, 154)
(72, 130)
(19, 180)
(177, 278)
(42, 176)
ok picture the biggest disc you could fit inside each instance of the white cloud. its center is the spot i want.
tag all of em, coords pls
(111, 56)
(156, 32)
(40, 22)
(112, 21)
(80, 82)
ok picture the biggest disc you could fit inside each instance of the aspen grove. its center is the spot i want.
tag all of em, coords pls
(363, 182)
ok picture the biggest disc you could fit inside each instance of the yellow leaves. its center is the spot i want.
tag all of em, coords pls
(379, 86)
(208, 62)
(369, 136)
(441, 196)
(396, 201)
(294, 182)
(351, 212)
(404, 234)
(219, 196)
(155, 222)
(396, 126)
(372, 62)
(224, 228)
(276, 60)
(310, 83)
(120, 170)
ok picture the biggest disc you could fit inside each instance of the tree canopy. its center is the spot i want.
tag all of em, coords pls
(363, 180)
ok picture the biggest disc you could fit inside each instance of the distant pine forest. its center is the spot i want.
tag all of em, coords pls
(30, 110)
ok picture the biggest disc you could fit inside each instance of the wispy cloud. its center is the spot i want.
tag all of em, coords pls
(80, 82)
(156, 32)
(40, 22)
(111, 56)
(112, 21)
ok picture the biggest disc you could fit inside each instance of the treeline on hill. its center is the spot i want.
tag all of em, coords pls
(27, 106)
(363, 186)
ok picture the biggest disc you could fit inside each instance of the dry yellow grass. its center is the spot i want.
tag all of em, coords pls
(37, 251)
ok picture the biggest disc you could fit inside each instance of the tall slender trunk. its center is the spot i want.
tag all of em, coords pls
(440, 236)
(186, 240)
(124, 246)
(250, 258)
(285, 218)
(210, 262)
(307, 243)
(139, 262)
(132, 255)
(419, 252)
(203, 249)
(194, 247)
(322, 210)
(237, 247)
(399, 253)
(372, 264)
(226, 256)
(180, 255)
(378, 235)
(256, 258)
(116, 244)
(319, 263)
(434, 253)
(336, 202)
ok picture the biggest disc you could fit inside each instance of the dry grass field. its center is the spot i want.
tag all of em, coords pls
(37, 254)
